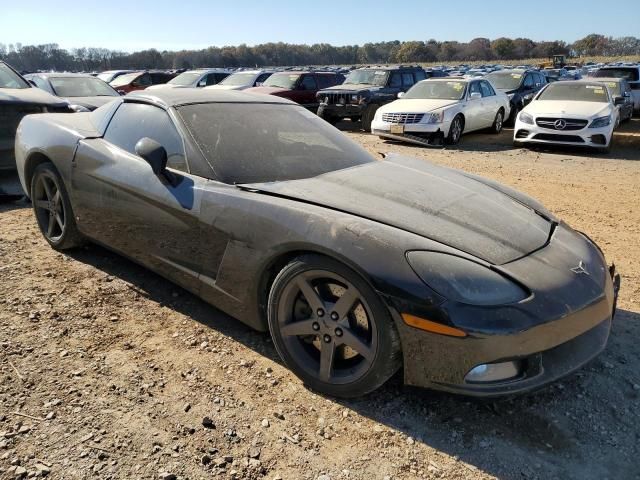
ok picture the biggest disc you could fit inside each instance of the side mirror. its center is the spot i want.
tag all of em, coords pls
(626, 95)
(619, 100)
(202, 83)
(154, 154)
(400, 94)
(475, 96)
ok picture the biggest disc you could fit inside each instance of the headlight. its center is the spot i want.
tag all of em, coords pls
(601, 122)
(525, 118)
(511, 95)
(355, 98)
(79, 108)
(434, 117)
(464, 281)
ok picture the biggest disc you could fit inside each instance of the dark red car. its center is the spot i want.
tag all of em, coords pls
(140, 80)
(301, 87)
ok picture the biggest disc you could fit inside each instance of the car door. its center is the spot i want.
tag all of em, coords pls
(306, 91)
(119, 202)
(474, 108)
(490, 103)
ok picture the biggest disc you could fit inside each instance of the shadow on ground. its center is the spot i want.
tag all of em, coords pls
(556, 433)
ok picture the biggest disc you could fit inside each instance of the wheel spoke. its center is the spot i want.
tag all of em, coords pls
(346, 302)
(51, 224)
(327, 352)
(42, 204)
(47, 188)
(59, 221)
(350, 339)
(303, 327)
(56, 200)
(310, 295)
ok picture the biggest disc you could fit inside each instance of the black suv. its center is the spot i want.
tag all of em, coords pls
(519, 85)
(365, 90)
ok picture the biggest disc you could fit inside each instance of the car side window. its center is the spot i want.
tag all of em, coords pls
(474, 88)
(262, 77)
(308, 83)
(42, 84)
(420, 75)
(395, 81)
(528, 81)
(144, 80)
(134, 121)
(486, 89)
(407, 80)
(324, 81)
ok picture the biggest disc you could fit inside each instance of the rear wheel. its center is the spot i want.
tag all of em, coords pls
(455, 131)
(498, 122)
(331, 328)
(52, 208)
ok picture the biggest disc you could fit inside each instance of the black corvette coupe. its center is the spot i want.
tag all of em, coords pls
(356, 266)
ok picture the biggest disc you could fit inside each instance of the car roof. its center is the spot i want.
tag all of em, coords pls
(300, 72)
(66, 74)
(173, 97)
(451, 79)
(391, 67)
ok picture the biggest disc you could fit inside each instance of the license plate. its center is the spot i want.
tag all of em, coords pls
(397, 129)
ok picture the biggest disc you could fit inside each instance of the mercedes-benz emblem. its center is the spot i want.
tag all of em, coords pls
(580, 269)
(560, 124)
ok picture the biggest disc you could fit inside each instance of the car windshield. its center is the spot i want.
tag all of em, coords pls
(588, 92)
(125, 79)
(505, 80)
(614, 87)
(10, 79)
(437, 90)
(185, 79)
(81, 87)
(282, 80)
(368, 77)
(630, 74)
(239, 79)
(252, 142)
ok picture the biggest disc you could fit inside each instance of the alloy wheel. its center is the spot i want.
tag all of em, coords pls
(49, 207)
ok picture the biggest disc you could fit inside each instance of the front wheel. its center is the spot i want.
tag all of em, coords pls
(455, 131)
(52, 208)
(367, 117)
(331, 328)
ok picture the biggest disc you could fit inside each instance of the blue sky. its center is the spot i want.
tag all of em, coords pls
(136, 24)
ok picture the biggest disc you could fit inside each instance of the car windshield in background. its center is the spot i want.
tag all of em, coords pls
(249, 143)
(368, 77)
(81, 87)
(106, 77)
(281, 80)
(614, 87)
(238, 79)
(9, 79)
(185, 79)
(125, 79)
(437, 90)
(504, 80)
(575, 92)
(630, 74)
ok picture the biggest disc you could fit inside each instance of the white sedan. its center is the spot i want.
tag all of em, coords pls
(579, 113)
(243, 80)
(440, 109)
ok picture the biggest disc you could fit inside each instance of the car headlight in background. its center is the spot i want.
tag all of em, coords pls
(434, 117)
(525, 118)
(464, 281)
(79, 108)
(511, 95)
(601, 122)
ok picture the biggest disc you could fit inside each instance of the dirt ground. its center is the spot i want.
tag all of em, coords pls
(108, 371)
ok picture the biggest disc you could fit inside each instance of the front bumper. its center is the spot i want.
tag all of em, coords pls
(341, 110)
(424, 134)
(562, 326)
(586, 137)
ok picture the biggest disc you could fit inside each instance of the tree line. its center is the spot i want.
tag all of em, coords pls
(52, 57)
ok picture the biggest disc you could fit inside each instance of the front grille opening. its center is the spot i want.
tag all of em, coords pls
(599, 139)
(402, 118)
(563, 124)
(522, 133)
(552, 137)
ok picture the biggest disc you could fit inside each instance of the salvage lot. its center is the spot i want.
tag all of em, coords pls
(128, 366)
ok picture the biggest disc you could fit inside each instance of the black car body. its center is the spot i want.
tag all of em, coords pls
(519, 85)
(17, 99)
(83, 92)
(366, 89)
(475, 288)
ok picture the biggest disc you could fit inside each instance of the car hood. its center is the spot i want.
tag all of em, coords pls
(415, 105)
(352, 87)
(578, 109)
(30, 96)
(268, 90)
(230, 87)
(91, 102)
(441, 204)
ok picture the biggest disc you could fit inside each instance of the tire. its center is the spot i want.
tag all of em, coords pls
(498, 122)
(52, 209)
(355, 119)
(367, 117)
(455, 132)
(346, 354)
(330, 119)
(513, 114)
